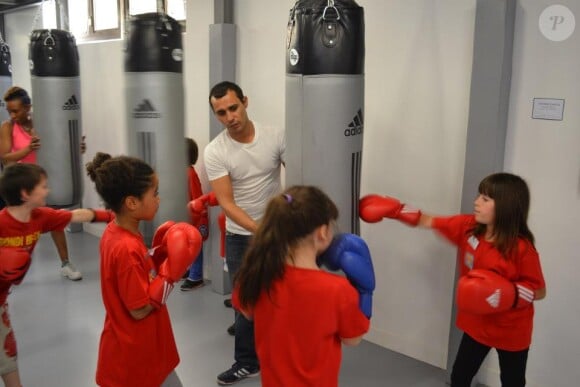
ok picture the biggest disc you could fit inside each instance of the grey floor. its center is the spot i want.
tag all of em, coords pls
(58, 323)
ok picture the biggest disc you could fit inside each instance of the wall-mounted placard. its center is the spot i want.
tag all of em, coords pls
(548, 109)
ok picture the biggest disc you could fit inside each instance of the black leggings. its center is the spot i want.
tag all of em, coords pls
(512, 364)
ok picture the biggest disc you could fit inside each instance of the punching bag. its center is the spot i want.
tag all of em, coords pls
(155, 110)
(56, 92)
(324, 101)
(5, 78)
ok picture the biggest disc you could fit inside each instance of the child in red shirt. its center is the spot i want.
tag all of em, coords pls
(24, 188)
(194, 278)
(496, 252)
(302, 314)
(137, 346)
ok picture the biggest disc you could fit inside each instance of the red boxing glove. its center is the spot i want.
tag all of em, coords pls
(222, 226)
(484, 292)
(105, 216)
(199, 218)
(373, 208)
(158, 251)
(524, 296)
(212, 200)
(14, 264)
(198, 211)
(201, 202)
(183, 243)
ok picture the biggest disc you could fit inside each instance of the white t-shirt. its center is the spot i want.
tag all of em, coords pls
(254, 169)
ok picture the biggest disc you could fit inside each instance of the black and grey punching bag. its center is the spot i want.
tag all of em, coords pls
(155, 110)
(56, 92)
(5, 78)
(324, 101)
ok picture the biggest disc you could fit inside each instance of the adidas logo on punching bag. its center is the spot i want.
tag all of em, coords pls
(71, 104)
(146, 110)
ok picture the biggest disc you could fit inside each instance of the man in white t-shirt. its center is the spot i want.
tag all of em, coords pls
(243, 164)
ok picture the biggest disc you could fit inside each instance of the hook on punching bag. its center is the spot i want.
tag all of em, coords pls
(324, 101)
(56, 99)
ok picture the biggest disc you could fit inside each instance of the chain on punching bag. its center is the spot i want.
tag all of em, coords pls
(324, 101)
(155, 115)
(5, 77)
(56, 92)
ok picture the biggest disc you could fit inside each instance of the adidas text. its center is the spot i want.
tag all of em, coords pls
(353, 131)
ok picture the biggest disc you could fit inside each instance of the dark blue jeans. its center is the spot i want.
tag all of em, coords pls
(196, 269)
(245, 349)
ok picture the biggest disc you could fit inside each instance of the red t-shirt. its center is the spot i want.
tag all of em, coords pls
(298, 328)
(510, 330)
(131, 352)
(14, 233)
(194, 191)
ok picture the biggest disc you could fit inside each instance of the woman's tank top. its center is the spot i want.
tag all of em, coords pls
(20, 140)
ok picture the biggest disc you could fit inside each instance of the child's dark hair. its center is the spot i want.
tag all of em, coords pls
(221, 89)
(192, 151)
(17, 93)
(118, 177)
(18, 177)
(289, 218)
(512, 203)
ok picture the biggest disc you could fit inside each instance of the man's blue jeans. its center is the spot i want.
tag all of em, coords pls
(245, 350)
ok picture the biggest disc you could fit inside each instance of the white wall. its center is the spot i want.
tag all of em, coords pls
(196, 76)
(418, 68)
(547, 155)
(418, 72)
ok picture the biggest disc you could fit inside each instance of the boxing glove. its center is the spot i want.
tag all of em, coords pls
(350, 253)
(14, 263)
(200, 204)
(105, 216)
(158, 251)
(524, 295)
(183, 243)
(198, 211)
(484, 292)
(373, 208)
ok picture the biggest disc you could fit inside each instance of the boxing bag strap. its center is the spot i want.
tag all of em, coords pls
(291, 26)
(332, 7)
(329, 25)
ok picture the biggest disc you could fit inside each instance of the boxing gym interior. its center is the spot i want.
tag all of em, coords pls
(417, 99)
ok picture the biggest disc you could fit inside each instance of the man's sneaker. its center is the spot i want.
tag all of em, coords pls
(232, 330)
(237, 373)
(190, 285)
(69, 271)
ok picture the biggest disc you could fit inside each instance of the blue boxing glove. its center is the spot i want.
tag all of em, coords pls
(350, 253)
